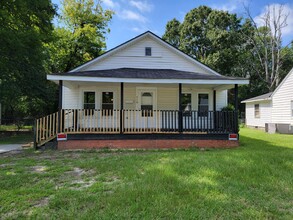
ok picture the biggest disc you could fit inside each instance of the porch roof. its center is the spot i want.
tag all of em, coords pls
(136, 75)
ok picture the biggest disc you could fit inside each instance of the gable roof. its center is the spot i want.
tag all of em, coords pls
(136, 39)
(263, 97)
(268, 96)
(283, 81)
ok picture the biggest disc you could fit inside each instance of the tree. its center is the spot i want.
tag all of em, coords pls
(81, 37)
(267, 46)
(172, 32)
(211, 36)
(25, 26)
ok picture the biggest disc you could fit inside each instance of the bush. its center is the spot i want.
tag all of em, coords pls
(228, 108)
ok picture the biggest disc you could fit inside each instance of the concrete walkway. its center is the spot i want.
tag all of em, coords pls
(9, 147)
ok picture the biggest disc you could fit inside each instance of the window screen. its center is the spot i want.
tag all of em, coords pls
(203, 104)
(256, 111)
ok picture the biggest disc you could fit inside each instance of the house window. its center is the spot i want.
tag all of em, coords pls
(203, 104)
(148, 51)
(89, 101)
(147, 104)
(107, 103)
(256, 111)
(292, 108)
(186, 104)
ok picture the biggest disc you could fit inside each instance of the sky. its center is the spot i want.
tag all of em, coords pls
(133, 17)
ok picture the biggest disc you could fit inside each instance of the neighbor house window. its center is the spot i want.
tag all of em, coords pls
(292, 108)
(186, 103)
(256, 111)
(107, 103)
(148, 51)
(203, 104)
(147, 104)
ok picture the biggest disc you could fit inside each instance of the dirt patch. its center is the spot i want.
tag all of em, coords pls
(82, 184)
(42, 202)
(76, 172)
(111, 180)
(39, 169)
(11, 153)
(79, 178)
(7, 164)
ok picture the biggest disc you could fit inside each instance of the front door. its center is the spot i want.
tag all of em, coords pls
(146, 104)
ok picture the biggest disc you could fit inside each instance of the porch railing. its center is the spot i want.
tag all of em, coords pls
(134, 121)
(46, 128)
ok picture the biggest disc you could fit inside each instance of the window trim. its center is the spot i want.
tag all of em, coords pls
(186, 113)
(109, 112)
(92, 110)
(198, 105)
(83, 101)
(292, 108)
(146, 53)
(255, 111)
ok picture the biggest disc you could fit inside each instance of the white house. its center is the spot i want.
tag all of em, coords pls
(143, 89)
(272, 111)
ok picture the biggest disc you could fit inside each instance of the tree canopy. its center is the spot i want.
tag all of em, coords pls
(31, 47)
(234, 46)
(81, 35)
(24, 28)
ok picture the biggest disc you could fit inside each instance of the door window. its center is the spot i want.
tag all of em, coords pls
(107, 103)
(147, 104)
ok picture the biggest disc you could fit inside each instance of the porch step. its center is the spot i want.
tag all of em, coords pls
(44, 141)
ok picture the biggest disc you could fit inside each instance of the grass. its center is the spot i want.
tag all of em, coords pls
(15, 128)
(16, 137)
(253, 181)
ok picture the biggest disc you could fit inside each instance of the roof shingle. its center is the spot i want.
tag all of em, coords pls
(147, 74)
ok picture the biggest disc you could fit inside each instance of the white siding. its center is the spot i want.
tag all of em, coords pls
(265, 108)
(73, 94)
(70, 96)
(221, 99)
(167, 95)
(282, 98)
(133, 56)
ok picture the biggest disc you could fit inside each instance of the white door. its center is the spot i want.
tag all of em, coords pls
(146, 117)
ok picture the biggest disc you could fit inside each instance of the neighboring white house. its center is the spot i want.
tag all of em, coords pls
(144, 86)
(272, 111)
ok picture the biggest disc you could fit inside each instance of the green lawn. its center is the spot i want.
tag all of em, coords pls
(254, 181)
(16, 137)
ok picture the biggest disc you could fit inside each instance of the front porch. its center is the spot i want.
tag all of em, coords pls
(127, 105)
(101, 122)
